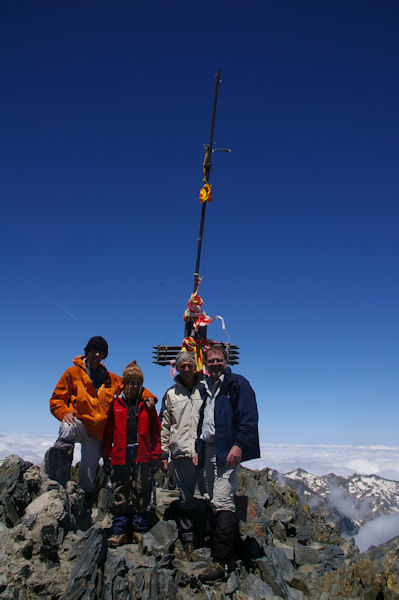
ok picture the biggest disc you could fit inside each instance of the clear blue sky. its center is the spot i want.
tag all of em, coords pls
(105, 108)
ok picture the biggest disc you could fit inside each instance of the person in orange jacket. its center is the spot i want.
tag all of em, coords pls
(81, 401)
(132, 441)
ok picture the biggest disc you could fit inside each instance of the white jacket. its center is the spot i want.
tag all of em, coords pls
(180, 415)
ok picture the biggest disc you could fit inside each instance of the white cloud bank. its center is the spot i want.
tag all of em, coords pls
(377, 531)
(316, 459)
(321, 460)
(29, 447)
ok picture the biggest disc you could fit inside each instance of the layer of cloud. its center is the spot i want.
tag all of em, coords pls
(324, 459)
(29, 447)
(343, 503)
(377, 531)
(316, 459)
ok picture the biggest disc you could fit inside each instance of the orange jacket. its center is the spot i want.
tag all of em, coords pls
(76, 394)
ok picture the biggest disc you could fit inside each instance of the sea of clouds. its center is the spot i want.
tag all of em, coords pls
(323, 459)
(316, 459)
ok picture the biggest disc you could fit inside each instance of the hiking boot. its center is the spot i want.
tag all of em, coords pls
(214, 572)
(117, 540)
(189, 549)
(137, 537)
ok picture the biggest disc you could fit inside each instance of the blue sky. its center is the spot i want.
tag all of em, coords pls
(105, 109)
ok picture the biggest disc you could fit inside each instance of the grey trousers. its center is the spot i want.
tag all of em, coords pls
(220, 482)
(91, 452)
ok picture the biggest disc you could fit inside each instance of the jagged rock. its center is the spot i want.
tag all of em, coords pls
(116, 584)
(307, 555)
(294, 594)
(181, 578)
(80, 516)
(142, 584)
(333, 557)
(240, 596)
(49, 543)
(284, 515)
(159, 539)
(33, 479)
(256, 588)
(44, 556)
(45, 518)
(304, 534)
(277, 571)
(15, 492)
(358, 580)
(162, 585)
(253, 521)
(232, 584)
(86, 574)
(287, 549)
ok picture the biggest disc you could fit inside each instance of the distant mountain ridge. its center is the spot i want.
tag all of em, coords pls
(349, 501)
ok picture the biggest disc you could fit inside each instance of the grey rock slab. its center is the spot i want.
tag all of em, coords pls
(256, 492)
(276, 565)
(293, 594)
(284, 515)
(306, 555)
(50, 504)
(256, 588)
(167, 586)
(14, 491)
(240, 596)
(286, 548)
(232, 584)
(142, 583)
(116, 584)
(91, 551)
(304, 533)
(333, 557)
(159, 539)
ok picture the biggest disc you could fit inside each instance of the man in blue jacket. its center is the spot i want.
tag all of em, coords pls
(228, 435)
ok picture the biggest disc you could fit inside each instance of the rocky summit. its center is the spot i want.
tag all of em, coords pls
(49, 550)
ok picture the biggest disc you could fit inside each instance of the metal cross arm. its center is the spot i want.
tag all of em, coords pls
(163, 355)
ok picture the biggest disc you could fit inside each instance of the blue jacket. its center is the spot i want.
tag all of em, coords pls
(236, 420)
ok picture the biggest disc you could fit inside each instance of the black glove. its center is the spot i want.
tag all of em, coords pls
(107, 467)
(155, 465)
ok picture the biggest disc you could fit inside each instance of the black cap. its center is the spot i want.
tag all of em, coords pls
(97, 343)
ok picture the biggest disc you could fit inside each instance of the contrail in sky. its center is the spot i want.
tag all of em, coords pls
(49, 299)
(64, 310)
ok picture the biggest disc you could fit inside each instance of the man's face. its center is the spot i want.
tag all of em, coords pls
(94, 357)
(186, 370)
(215, 363)
(132, 387)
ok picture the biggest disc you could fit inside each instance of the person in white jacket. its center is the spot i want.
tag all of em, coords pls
(179, 418)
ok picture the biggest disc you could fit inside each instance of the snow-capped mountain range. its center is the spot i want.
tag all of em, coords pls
(363, 506)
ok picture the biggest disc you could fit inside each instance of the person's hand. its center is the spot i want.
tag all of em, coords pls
(107, 467)
(150, 402)
(69, 418)
(165, 465)
(234, 456)
(195, 460)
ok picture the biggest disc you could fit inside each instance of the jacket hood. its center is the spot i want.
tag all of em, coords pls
(79, 361)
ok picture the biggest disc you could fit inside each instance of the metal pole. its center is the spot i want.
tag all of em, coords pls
(207, 162)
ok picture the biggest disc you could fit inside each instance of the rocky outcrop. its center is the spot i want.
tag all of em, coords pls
(284, 551)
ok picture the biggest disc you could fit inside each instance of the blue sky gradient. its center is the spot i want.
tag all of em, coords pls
(105, 109)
